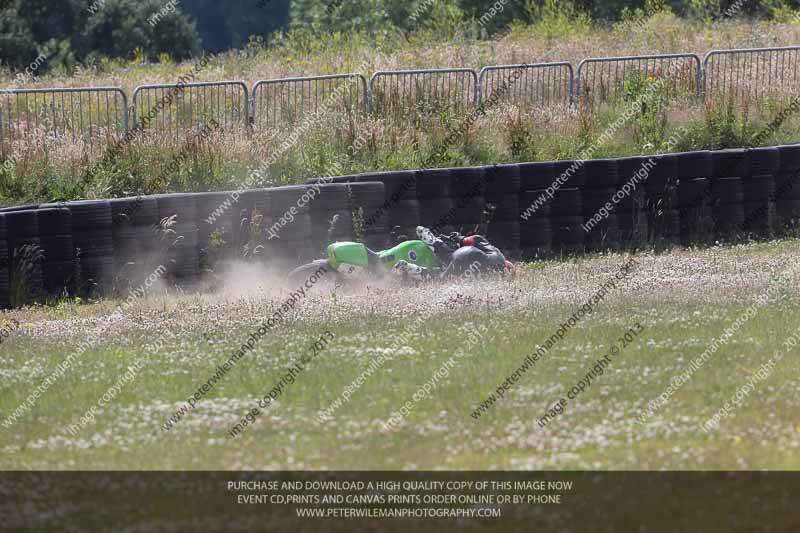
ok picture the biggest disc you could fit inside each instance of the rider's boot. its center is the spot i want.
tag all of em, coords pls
(409, 270)
(440, 248)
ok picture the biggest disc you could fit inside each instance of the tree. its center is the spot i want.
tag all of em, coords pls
(371, 16)
(229, 24)
(17, 45)
(121, 27)
(112, 28)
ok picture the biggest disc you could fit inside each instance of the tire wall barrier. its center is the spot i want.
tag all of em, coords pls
(25, 262)
(5, 262)
(501, 195)
(135, 231)
(529, 210)
(93, 243)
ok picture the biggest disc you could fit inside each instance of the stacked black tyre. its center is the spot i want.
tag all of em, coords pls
(758, 191)
(254, 219)
(216, 226)
(335, 179)
(569, 174)
(661, 193)
(25, 255)
(733, 162)
(502, 199)
(694, 195)
(634, 174)
(566, 221)
(179, 238)
(729, 168)
(436, 204)
(367, 199)
(728, 211)
(599, 210)
(58, 266)
(331, 217)
(566, 206)
(536, 235)
(400, 204)
(93, 240)
(26, 207)
(134, 223)
(468, 185)
(787, 188)
(289, 244)
(5, 263)
(534, 176)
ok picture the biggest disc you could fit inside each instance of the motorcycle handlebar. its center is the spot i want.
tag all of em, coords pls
(454, 239)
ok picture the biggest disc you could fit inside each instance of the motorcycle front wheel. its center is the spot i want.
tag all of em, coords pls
(318, 272)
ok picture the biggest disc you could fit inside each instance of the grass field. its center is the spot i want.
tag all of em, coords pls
(683, 300)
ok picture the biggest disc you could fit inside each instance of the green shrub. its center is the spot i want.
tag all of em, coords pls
(17, 45)
(80, 30)
(650, 125)
(121, 27)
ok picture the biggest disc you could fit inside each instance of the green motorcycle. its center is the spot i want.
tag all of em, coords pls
(420, 259)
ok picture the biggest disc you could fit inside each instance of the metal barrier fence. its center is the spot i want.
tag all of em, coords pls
(538, 84)
(612, 79)
(179, 108)
(93, 115)
(287, 101)
(403, 92)
(737, 75)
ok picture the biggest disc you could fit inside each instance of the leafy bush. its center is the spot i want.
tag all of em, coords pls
(86, 31)
(381, 16)
(650, 126)
(121, 27)
(723, 126)
(376, 16)
(17, 45)
(230, 24)
(371, 16)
